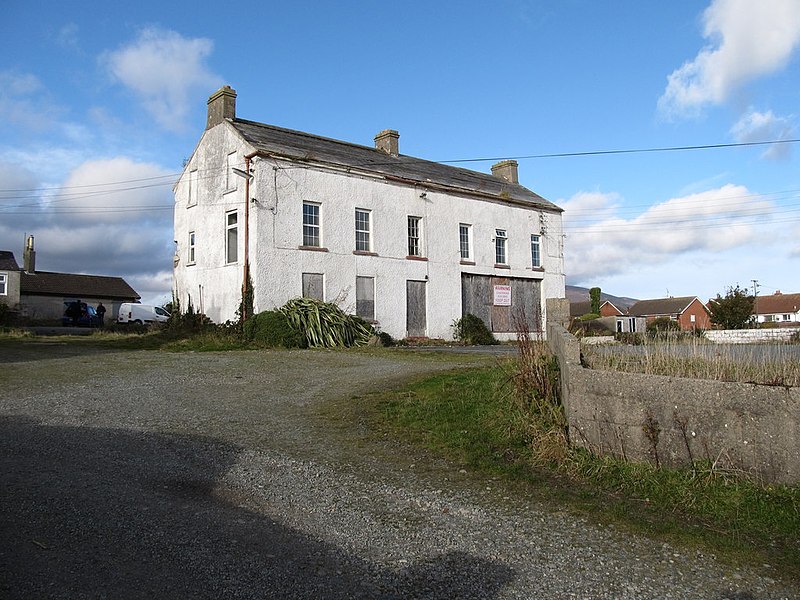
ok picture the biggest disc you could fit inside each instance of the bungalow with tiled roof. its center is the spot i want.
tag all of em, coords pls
(778, 308)
(688, 311)
(40, 295)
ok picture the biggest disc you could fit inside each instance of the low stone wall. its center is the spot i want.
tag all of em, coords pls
(673, 421)
(750, 336)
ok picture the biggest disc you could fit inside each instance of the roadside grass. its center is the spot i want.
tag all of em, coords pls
(472, 417)
(699, 360)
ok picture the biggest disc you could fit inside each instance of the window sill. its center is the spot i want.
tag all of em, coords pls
(422, 258)
(538, 269)
(190, 264)
(364, 253)
(499, 266)
(469, 263)
(313, 248)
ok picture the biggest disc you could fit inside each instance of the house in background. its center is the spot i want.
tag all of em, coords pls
(782, 309)
(406, 243)
(607, 309)
(40, 295)
(690, 313)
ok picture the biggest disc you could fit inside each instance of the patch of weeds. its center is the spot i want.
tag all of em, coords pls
(474, 418)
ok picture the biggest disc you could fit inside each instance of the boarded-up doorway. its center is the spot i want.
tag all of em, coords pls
(416, 322)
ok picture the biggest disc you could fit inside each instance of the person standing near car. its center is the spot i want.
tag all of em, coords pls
(101, 313)
(74, 312)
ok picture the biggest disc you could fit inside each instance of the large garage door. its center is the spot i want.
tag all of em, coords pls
(500, 301)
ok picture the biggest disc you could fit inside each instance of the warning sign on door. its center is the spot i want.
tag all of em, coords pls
(502, 295)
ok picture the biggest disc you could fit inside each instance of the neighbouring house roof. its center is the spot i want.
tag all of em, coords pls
(578, 309)
(7, 261)
(778, 304)
(661, 306)
(305, 147)
(70, 285)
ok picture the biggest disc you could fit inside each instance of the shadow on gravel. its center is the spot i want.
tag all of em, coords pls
(12, 351)
(109, 513)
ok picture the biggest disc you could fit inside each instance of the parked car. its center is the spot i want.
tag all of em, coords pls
(79, 314)
(141, 314)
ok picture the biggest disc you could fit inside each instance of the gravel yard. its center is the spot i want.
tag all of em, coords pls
(212, 475)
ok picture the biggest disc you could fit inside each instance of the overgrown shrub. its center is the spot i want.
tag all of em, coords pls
(662, 325)
(5, 314)
(325, 325)
(589, 317)
(588, 328)
(272, 329)
(471, 330)
(386, 340)
(630, 338)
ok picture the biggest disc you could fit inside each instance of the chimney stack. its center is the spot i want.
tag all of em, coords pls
(387, 140)
(506, 169)
(221, 106)
(29, 256)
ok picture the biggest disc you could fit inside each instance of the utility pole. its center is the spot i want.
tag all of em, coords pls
(755, 298)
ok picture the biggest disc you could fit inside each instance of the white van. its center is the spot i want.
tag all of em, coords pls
(141, 314)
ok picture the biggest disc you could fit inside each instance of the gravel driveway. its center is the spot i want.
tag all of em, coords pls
(157, 475)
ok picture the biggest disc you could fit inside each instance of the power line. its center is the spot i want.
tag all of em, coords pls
(626, 151)
(461, 160)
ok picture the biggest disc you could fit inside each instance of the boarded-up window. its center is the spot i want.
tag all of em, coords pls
(365, 298)
(313, 286)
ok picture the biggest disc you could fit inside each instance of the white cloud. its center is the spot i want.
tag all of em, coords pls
(758, 127)
(611, 243)
(747, 39)
(164, 69)
(24, 102)
(109, 217)
(114, 190)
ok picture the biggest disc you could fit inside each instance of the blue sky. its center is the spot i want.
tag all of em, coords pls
(101, 104)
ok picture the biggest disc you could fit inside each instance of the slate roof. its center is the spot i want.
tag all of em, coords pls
(299, 146)
(778, 304)
(578, 309)
(661, 306)
(7, 261)
(70, 285)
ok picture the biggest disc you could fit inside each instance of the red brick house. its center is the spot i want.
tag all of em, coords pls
(688, 311)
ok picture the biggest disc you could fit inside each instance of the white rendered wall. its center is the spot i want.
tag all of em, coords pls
(210, 284)
(277, 263)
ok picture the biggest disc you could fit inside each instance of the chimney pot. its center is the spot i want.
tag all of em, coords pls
(506, 169)
(29, 256)
(221, 106)
(388, 141)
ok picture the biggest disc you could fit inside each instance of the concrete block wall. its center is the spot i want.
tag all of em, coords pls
(750, 336)
(746, 427)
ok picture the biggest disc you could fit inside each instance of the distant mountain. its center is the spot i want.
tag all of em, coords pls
(581, 294)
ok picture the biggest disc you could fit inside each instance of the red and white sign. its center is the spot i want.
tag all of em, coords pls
(502, 295)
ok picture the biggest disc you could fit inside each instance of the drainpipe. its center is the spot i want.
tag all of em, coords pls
(246, 234)
(247, 179)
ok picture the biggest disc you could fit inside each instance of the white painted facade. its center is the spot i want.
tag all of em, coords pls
(278, 258)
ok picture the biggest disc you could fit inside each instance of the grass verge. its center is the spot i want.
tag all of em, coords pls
(472, 417)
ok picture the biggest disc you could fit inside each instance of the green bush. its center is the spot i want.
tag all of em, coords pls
(386, 340)
(272, 329)
(663, 325)
(589, 317)
(630, 338)
(325, 325)
(471, 330)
